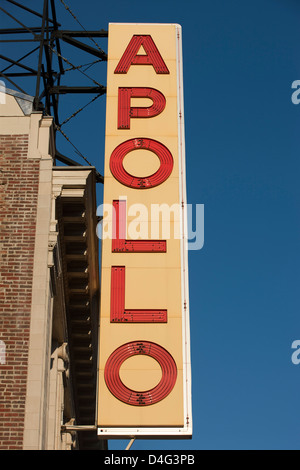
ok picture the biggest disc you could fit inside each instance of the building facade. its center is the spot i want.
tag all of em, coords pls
(49, 289)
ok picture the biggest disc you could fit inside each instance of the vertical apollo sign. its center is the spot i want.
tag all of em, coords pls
(144, 359)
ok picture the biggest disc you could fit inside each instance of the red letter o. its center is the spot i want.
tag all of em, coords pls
(140, 398)
(119, 172)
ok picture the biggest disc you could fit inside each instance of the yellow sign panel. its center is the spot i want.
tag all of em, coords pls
(144, 359)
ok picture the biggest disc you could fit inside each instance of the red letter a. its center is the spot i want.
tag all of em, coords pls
(152, 56)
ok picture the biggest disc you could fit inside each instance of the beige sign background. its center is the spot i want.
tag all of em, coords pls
(153, 280)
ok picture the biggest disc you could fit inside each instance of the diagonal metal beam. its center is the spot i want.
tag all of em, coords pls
(13, 62)
(19, 22)
(70, 162)
(101, 33)
(77, 89)
(12, 82)
(32, 29)
(29, 10)
(66, 160)
(21, 74)
(81, 45)
(21, 58)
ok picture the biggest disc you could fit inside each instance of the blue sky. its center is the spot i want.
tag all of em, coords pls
(243, 154)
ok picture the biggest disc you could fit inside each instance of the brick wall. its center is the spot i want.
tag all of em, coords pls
(18, 203)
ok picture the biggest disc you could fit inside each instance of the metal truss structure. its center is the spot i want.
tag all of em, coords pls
(48, 39)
